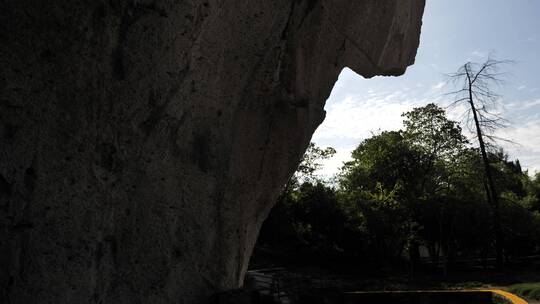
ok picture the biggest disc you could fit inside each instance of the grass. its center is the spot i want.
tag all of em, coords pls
(527, 290)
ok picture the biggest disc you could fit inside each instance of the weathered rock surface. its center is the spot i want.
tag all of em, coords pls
(143, 142)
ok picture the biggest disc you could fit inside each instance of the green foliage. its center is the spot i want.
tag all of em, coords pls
(428, 130)
(311, 162)
(384, 159)
(420, 186)
(526, 290)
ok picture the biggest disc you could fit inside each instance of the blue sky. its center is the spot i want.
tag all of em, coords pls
(453, 32)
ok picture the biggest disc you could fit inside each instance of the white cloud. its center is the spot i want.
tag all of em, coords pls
(531, 103)
(525, 143)
(479, 54)
(434, 66)
(523, 105)
(332, 165)
(521, 87)
(356, 118)
(359, 108)
(438, 86)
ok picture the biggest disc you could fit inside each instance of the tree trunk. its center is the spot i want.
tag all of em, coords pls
(490, 190)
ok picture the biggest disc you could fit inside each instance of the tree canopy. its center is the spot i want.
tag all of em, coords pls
(407, 194)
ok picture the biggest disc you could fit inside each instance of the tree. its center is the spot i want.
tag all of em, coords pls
(475, 83)
(414, 165)
(429, 129)
(311, 161)
(287, 216)
(420, 186)
(438, 142)
(379, 183)
(385, 158)
(320, 218)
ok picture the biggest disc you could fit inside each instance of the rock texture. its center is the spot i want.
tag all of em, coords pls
(143, 142)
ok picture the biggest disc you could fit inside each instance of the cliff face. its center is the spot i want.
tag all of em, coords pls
(143, 142)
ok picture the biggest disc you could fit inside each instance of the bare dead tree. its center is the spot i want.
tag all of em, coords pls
(474, 83)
